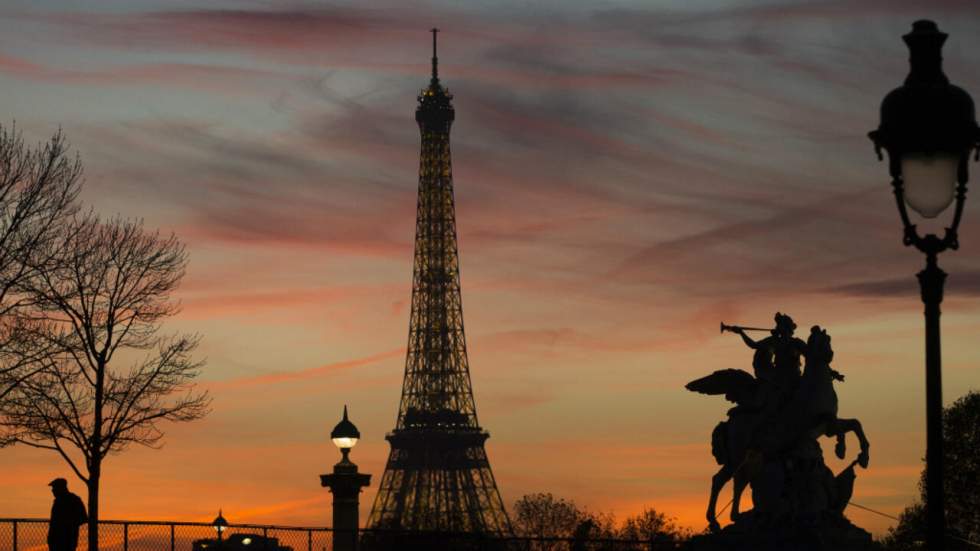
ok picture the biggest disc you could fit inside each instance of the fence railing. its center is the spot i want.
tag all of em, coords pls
(27, 534)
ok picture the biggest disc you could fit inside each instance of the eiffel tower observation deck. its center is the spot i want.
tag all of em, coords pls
(437, 477)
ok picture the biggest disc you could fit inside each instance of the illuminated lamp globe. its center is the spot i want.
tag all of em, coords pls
(929, 182)
(345, 434)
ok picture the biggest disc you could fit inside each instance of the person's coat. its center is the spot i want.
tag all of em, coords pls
(67, 515)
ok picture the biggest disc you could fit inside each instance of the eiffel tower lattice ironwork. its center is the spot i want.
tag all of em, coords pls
(437, 476)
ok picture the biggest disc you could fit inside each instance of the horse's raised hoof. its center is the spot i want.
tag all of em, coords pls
(864, 458)
(840, 450)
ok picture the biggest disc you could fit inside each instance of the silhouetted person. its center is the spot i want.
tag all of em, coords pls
(67, 515)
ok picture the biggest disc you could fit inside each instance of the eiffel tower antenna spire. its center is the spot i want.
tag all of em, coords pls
(438, 477)
(435, 58)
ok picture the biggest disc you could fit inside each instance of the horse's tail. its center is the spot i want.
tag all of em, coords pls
(719, 443)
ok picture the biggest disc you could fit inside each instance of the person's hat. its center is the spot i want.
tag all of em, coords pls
(58, 482)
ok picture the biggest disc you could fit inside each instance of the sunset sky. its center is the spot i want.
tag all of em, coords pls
(628, 175)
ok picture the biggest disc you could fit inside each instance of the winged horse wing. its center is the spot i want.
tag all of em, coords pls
(735, 384)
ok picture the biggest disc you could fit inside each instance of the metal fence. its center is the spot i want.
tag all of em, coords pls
(122, 535)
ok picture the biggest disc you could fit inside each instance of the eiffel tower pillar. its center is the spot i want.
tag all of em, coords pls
(438, 477)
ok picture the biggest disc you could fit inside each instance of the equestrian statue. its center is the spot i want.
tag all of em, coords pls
(769, 443)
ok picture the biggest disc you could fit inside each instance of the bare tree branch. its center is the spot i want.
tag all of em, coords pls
(38, 191)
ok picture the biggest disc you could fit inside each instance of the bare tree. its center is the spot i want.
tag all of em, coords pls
(99, 296)
(38, 191)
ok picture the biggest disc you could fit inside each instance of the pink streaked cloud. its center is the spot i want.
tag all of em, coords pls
(177, 75)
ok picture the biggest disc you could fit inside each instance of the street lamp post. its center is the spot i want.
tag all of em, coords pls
(220, 525)
(345, 483)
(929, 128)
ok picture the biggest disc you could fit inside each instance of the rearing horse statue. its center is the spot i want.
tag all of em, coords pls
(770, 420)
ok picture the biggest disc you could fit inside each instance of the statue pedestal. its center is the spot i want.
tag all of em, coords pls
(826, 532)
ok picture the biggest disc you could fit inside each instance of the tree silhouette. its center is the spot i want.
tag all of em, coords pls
(542, 515)
(38, 189)
(651, 525)
(961, 442)
(108, 376)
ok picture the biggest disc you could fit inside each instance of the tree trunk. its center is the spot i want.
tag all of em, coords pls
(93, 504)
(95, 457)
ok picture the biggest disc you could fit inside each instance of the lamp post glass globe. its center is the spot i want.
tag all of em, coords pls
(929, 182)
(345, 442)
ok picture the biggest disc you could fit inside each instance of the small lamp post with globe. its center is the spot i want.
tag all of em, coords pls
(345, 483)
(929, 128)
(220, 525)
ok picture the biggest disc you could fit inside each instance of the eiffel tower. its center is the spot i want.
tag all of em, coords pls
(438, 477)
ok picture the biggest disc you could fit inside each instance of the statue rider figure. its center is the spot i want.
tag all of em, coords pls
(786, 351)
